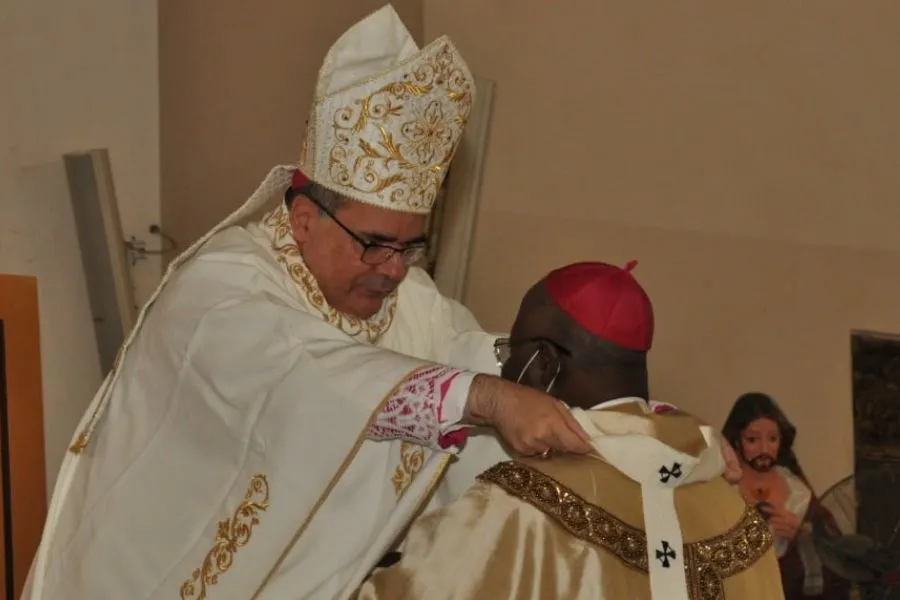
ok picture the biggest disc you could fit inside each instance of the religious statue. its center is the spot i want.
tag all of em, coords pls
(774, 483)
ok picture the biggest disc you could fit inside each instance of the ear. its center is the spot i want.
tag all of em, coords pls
(548, 362)
(303, 215)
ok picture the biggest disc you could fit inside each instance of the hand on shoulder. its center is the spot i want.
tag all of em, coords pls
(528, 421)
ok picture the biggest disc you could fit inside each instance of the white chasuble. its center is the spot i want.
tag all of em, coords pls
(225, 457)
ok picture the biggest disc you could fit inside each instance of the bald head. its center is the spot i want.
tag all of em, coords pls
(588, 369)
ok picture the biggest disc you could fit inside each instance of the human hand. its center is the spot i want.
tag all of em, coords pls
(783, 522)
(733, 472)
(529, 422)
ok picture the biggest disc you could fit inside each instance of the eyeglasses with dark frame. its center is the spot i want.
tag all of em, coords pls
(374, 253)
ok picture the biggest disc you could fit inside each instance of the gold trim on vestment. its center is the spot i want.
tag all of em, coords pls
(425, 498)
(351, 455)
(412, 458)
(277, 227)
(84, 437)
(708, 562)
(232, 535)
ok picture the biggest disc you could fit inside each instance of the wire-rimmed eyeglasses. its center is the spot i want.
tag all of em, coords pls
(503, 349)
(374, 253)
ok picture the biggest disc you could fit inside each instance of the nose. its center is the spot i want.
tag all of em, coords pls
(769, 447)
(394, 267)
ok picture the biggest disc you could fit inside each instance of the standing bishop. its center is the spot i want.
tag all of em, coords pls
(294, 389)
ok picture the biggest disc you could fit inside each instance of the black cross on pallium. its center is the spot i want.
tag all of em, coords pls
(665, 474)
(665, 554)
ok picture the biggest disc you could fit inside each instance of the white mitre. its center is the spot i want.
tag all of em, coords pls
(387, 117)
(385, 122)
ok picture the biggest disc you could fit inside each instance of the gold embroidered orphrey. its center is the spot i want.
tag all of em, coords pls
(393, 147)
(277, 226)
(708, 562)
(232, 534)
(412, 457)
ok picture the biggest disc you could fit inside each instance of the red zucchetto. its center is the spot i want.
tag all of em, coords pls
(606, 301)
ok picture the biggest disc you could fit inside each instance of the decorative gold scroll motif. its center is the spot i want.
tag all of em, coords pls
(412, 457)
(233, 534)
(708, 562)
(397, 142)
(277, 225)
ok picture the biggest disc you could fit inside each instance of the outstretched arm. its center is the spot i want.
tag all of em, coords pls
(465, 389)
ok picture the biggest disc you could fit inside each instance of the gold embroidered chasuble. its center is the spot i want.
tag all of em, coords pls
(226, 455)
(573, 528)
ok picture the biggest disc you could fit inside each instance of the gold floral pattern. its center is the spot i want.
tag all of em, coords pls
(277, 226)
(412, 457)
(708, 564)
(392, 146)
(233, 534)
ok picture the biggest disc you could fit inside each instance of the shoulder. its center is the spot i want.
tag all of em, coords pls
(232, 279)
(799, 494)
(671, 410)
(232, 256)
(420, 299)
(558, 485)
(418, 279)
(230, 267)
(794, 483)
(615, 521)
(418, 289)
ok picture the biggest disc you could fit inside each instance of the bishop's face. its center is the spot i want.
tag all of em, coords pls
(760, 443)
(360, 254)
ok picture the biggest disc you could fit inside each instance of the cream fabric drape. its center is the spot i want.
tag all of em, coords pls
(231, 456)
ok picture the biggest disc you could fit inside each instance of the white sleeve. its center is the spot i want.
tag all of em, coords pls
(455, 402)
(459, 341)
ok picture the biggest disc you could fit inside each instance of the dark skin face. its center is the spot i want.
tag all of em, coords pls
(334, 257)
(541, 326)
(534, 329)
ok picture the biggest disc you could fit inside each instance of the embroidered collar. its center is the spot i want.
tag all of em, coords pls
(277, 228)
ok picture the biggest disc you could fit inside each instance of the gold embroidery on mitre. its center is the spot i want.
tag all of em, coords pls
(277, 226)
(412, 457)
(233, 534)
(708, 562)
(391, 147)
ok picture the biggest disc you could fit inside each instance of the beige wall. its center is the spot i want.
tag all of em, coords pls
(73, 78)
(745, 154)
(236, 81)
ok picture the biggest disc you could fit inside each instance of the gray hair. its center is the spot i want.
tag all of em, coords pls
(328, 201)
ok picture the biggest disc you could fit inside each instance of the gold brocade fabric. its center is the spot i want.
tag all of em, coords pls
(572, 528)
(277, 227)
(709, 561)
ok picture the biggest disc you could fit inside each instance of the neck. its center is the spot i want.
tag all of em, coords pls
(621, 385)
(608, 394)
(752, 474)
